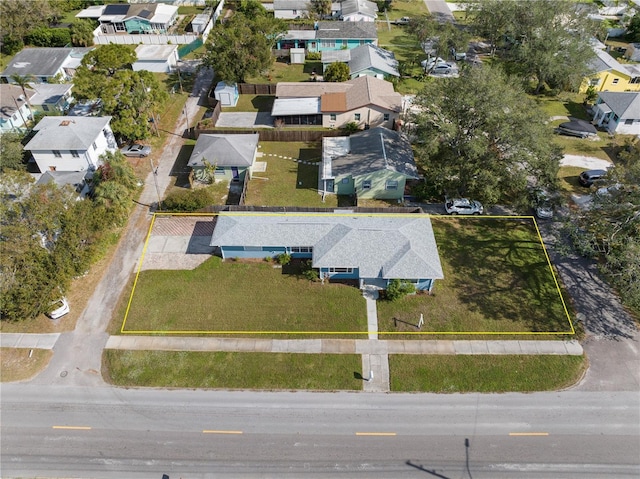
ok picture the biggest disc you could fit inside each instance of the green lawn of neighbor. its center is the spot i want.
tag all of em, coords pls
(405, 8)
(233, 370)
(484, 374)
(286, 182)
(252, 103)
(496, 279)
(568, 176)
(564, 104)
(241, 296)
(281, 71)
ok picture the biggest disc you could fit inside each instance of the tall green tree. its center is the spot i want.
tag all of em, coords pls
(479, 135)
(441, 37)
(132, 98)
(82, 33)
(24, 82)
(545, 41)
(241, 47)
(19, 17)
(337, 72)
(12, 155)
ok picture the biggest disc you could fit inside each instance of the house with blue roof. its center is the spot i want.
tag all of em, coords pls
(366, 59)
(330, 35)
(372, 249)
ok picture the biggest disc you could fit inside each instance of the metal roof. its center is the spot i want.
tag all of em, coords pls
(225, 150)
(66, 133)
(296, 106)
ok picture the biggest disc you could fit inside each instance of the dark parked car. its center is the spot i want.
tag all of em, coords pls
(587, 178)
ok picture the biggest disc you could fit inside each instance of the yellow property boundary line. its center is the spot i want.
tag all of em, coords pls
(318, 333)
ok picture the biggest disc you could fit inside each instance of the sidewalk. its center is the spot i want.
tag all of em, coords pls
(28, 341)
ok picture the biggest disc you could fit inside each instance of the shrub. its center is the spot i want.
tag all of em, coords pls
(188, 200)
(314, 56)
(309, 272)
(398, 289)
(351, 127)
(284, 259)
(337, 72)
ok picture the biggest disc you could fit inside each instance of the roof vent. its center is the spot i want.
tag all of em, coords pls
(66, 122)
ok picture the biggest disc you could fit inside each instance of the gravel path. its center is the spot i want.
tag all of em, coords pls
(588, 162)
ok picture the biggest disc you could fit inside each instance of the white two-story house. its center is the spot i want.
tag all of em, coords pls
(71, 143)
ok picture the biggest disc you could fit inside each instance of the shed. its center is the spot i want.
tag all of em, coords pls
(226, 94)
(296, 55)
(156, 58)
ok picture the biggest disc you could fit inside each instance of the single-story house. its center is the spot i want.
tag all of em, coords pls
(618, 112)
(290, 8)
(93, 12)
(358, 11)
(52, 97)
(373, 163)
(156, 58)
(44, 64)
(608, 74)
(371, 249)
(366, 100)
(330, 35)
(138, 18)
(75, 179)
(233, 156)
(71, 143)
(366, 59)
(14, 109)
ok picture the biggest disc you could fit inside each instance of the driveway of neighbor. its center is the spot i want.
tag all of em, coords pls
(587, 162)
(260, 119)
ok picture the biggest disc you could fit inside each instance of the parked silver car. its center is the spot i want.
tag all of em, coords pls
(463, 206)
(135, 150)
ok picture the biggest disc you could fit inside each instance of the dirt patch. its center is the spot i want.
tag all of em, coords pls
(22, 364)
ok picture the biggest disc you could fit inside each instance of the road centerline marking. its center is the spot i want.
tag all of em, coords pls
(217, 431)
(528, 434)
(77, 428)
(376, 434)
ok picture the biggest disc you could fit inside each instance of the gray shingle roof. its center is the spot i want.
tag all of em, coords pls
(346, 30)
(10, 95)
(67, 132)
(375, 150)
(37, 61)
(369, 56)
(225, 150)
(364, 7)
(290, 5)
(379, 246)
(624, 104)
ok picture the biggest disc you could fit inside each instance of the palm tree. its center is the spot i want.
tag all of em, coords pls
(24, 81)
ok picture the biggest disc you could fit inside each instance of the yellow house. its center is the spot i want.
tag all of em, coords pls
(611, 75)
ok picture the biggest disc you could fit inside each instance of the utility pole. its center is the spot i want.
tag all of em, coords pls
(154, 171)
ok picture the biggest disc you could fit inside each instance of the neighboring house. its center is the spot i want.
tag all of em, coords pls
(358, 11)
(44, 64)
(373, 163)
(618, 112)
(71, 143)
(364, 60)
(52, 97)
(290, 8)
(365, 100)
(14, 109)
(368, 248)
(156, 58)
(75, 179)
(330, 35)
(232, 155)
(137, 18)
(608, 74)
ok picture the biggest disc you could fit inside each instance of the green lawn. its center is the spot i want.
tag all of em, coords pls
(565, 104)
(484, 374)
(283, 72)
(405, 8)
(233, 370)
(252, 103)
(287, 182)
(236, 296)
(496, 279)
(569, 180)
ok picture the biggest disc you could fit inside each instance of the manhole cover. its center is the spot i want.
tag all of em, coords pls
(63, 374)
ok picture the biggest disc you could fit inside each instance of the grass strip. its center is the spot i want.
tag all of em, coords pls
(233, 370)
(16, 365)
(484, 374)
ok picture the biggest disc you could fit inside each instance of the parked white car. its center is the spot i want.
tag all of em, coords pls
(62, 308)
(463, 206)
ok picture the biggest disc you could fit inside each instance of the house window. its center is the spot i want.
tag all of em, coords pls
(45, 107)
(616, 118)
(332, 117)
(357, 116)
(363, 42)
(328, 43)
(301, 249)
(391, 185)
(340, 270)
(635, 80)
(615, 81)
(386, 117)
(95, 147)
(594, 82)
(345, 181)
(628, 122)
(57, 154)
(219, 171)
(295, 12)
(366, 185)
(253, 248)
(75, 154)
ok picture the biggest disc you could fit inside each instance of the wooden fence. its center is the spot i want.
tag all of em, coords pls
(301, 209)
(274, 134)
(257, 88)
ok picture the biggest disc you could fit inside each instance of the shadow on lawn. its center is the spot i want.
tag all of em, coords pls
(180, 170)
(500, 271)
(307, 169)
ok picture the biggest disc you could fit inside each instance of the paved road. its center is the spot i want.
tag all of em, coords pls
(147, 433)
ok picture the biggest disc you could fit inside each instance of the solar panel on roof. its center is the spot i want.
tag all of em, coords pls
(116, 9)
(145, 13)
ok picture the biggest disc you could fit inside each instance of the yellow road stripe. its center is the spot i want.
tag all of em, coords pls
(213, 431)
(528, 434)
(80, 428)
(375, 434)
